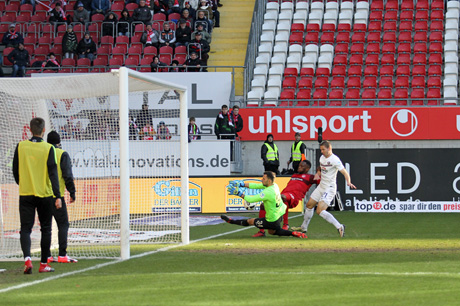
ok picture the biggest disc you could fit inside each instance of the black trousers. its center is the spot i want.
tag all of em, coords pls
(27, 207)
(62, 220)
(271, 167)
(295, 165)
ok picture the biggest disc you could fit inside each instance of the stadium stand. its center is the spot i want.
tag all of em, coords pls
(390, 50)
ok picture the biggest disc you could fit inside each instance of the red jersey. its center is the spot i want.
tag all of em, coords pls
(299, 185)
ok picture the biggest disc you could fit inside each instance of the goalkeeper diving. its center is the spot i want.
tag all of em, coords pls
(271, 198)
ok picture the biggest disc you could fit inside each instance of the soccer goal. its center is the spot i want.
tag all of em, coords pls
(131, 185)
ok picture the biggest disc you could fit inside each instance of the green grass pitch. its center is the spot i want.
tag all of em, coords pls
(384, 259)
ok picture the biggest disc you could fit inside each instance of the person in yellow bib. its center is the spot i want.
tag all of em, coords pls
(298, 150)
(66, 181)
(270, 155)
(35, 171)
(273, 203)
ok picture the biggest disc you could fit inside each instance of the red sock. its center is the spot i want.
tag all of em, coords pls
(285, 216)
(262, 214)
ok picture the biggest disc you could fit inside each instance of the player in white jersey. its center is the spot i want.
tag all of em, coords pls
(324, 194)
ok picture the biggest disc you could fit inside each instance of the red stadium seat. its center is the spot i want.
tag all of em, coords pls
(419, 70)
(417, 94)
(386, 82)
(319, 97)
(435, 70)
(386, 70)
(402, 82)
(373, 48)
(374, 37)
(401, 93)
(418, 81)
(288, 72)
(434, 94)
(376, 5)
(354, 82)
(324, 72)
(384, 94)
(357, 48)
(307, 72)
(340, 60)
(420, 48)
(303, 96)
(369, 97)
(352, 96)
(371, 70)
(355, 70)
(345, 27)
(313, 27)
(338, 82)
(289, 82)
(339, 71)
(370, 82)
(372, 60)
(388, 59)
(434, 82)
(357, 37)
(403, 59)
(322, 82)
(358, 27)
(390, 26)
(287, 97)
(403, 70)
(376, 26)
(404, 48)
(341, 48)
(336, 94)
(422, 5)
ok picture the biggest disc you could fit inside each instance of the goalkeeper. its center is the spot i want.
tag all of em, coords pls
(274, 206)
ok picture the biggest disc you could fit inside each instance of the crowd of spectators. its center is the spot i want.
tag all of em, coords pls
(162, 23)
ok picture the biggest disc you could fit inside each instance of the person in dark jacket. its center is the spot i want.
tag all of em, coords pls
(66, 181)
(193, 63)
(236, 119)
(124, 23)
(223, 127)
(57, 14)
(19, 57)
(86, 47)
(12, 38)
(155, 65)
(100, 6)
(69, 43)
(167, 36)
(270, 155)
(183, 33)
(109, 24)
(142, 13)
(81, 14)
(144, 117)
(200, 46)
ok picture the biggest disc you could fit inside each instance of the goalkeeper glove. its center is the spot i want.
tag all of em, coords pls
(237, 183)
(234, 190)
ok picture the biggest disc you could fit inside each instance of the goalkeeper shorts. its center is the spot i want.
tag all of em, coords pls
(263, 223)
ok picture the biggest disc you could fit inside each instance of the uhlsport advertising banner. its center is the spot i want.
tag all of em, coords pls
(401, 180)
(353, 123)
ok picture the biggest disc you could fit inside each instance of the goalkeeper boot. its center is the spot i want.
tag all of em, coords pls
(28, 266)
(51, 259)
(66, 259)
(44, 267)
(286, 226)
(299, 234)
(341, 231)
(225, 218)
(259, 234)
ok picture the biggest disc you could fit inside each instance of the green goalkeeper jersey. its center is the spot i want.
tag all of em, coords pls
(271, 197)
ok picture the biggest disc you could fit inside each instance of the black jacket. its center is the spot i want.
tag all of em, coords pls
(263, 154)
(183, 35)
(67, 175)
(19, 57)
(142, 14)
(143, 118)
(198, 46)
(237, 123)
(83, 47)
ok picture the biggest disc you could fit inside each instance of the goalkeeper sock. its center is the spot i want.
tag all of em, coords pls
(285, 217)
(307, 218)
(240, 222)
(330, 218)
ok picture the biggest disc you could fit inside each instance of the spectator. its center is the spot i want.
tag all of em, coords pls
(193, 63)
(81, 14)
(191, 10)
(147, 132)
(204, 35)
(12, 38)
(57, 14)
(201, 18)
(215, 12)
(109, 25)
(133, 130)
(86, 5)
(174, 66)
(51, 62)
(144, 117)
(150, 37)
(163, 131)
(174, 7)
(200, 46)
(223, 128)
(161, 6)
(206, 9)
(19, 57)
(86, 47)
(131, 1)
(69, 43)
(187, 16)
(237, 120)
(167, 36)
(156, 64)
(193, 130)
(142, 13)
(183, 34)
(124, 23)
(100, 7)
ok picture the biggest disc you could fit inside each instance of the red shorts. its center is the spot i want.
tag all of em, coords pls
(290, 201)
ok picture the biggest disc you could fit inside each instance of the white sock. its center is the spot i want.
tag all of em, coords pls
(309, 212)
(330, 218)
(27, 258)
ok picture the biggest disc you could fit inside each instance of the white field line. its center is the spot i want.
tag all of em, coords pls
(20, 286)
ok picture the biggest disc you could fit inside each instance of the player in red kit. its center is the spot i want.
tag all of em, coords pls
(294, 192)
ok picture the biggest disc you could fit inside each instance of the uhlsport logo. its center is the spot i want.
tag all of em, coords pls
(404, 122)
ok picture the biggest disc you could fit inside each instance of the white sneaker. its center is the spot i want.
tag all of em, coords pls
(341, 231)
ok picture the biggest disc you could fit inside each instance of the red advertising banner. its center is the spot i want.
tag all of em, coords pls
(352, 123)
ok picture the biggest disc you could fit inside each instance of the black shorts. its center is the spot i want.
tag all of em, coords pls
(263, 223)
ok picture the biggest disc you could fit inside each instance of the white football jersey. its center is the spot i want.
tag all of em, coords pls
(329, 168)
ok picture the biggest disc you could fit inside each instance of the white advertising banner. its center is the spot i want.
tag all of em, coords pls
(383, 206)
(148, 158)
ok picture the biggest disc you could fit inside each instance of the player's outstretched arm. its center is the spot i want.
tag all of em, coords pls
(347, 178)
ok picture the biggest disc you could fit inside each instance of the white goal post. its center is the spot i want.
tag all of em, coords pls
(102, 158)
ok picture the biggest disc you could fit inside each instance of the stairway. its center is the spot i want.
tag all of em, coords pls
(230, 40)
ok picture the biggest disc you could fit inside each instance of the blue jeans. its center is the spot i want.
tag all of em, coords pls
(29, 1)
(88, 55)
(20, 69)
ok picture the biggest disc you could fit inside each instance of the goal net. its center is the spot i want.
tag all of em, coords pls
(130, 186)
